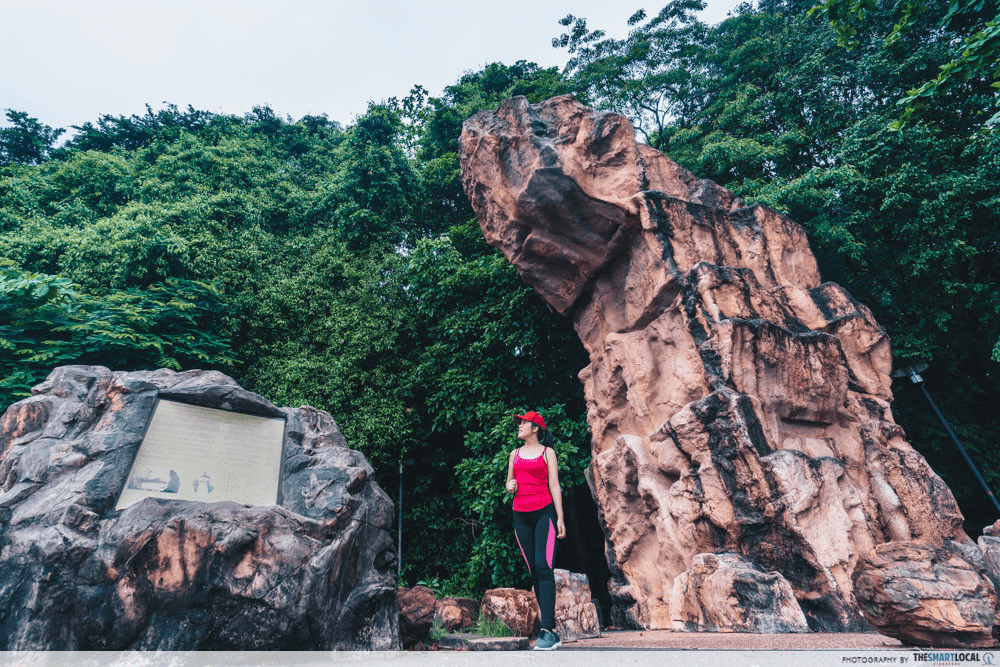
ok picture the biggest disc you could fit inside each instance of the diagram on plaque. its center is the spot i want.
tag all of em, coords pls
(205, 454)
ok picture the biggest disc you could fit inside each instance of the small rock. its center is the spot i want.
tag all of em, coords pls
(517, 609)
(498, 644)
(456, 613)
(576, 614)
(416, 614)
(457, 641)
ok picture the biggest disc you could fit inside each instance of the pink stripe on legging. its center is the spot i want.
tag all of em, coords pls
(550, 545)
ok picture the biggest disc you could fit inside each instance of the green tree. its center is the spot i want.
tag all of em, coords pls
(335, 332)
(487, 347)
(46, 321)
(134, 132)
(374, 193)
(26, 141)
(653, 75)
(975, 55)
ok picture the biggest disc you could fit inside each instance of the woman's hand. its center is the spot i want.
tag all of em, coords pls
(512, 486)
(560, 528)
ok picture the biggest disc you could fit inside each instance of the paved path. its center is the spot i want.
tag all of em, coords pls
(726, 641)
(614, 649)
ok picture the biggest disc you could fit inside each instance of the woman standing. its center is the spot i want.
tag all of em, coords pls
(533, 478)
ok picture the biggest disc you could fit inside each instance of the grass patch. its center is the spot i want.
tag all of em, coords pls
(437, 631)
(488, 626)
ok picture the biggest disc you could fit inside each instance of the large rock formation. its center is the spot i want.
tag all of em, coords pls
(736, 402)
(316, 572)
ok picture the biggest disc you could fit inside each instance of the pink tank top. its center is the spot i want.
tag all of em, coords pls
(532, 477)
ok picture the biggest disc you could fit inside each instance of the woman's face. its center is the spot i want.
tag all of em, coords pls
(525, 429)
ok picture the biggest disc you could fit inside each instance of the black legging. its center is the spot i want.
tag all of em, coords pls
(536, 535)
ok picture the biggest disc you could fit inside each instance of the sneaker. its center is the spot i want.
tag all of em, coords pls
(547, 641)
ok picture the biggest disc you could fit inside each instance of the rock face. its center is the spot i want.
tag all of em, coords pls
(316, 572)
(727, 593)
(927, 594)
(736, 402)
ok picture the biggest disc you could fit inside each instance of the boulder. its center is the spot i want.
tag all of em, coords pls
(576, 613)
(456, 613)
(928, 594)
(416, 614)
(314, 572)
(727, 593)
(989, 547)
(517, 609)
(737, 403)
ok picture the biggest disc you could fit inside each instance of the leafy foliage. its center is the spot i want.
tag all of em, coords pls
(975, 58)
(46, 321)
(26, 141)
(652, 76)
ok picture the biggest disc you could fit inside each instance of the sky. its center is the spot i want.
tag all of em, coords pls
(67, 62)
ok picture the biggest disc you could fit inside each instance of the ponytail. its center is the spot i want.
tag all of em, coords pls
(545, 437)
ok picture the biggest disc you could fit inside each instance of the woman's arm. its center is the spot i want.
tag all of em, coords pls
(511, 482)
(555, 491)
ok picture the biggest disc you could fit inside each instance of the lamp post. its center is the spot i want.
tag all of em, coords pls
(399, 518)
(913, 372)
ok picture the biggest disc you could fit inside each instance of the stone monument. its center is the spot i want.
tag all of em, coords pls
(239, 526)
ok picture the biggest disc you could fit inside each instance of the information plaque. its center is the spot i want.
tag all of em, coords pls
(204, 454)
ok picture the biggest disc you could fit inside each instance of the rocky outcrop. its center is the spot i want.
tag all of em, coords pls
(727, 593)
(314, 572)
(575, 613)
(927, 594)
(737, 403)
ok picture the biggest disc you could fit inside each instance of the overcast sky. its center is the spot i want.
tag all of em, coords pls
(67, 62)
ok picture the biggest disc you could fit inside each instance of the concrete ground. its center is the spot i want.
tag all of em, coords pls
(727, 641)
(660, 648)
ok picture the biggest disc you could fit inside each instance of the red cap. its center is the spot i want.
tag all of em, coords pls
(532, 417)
